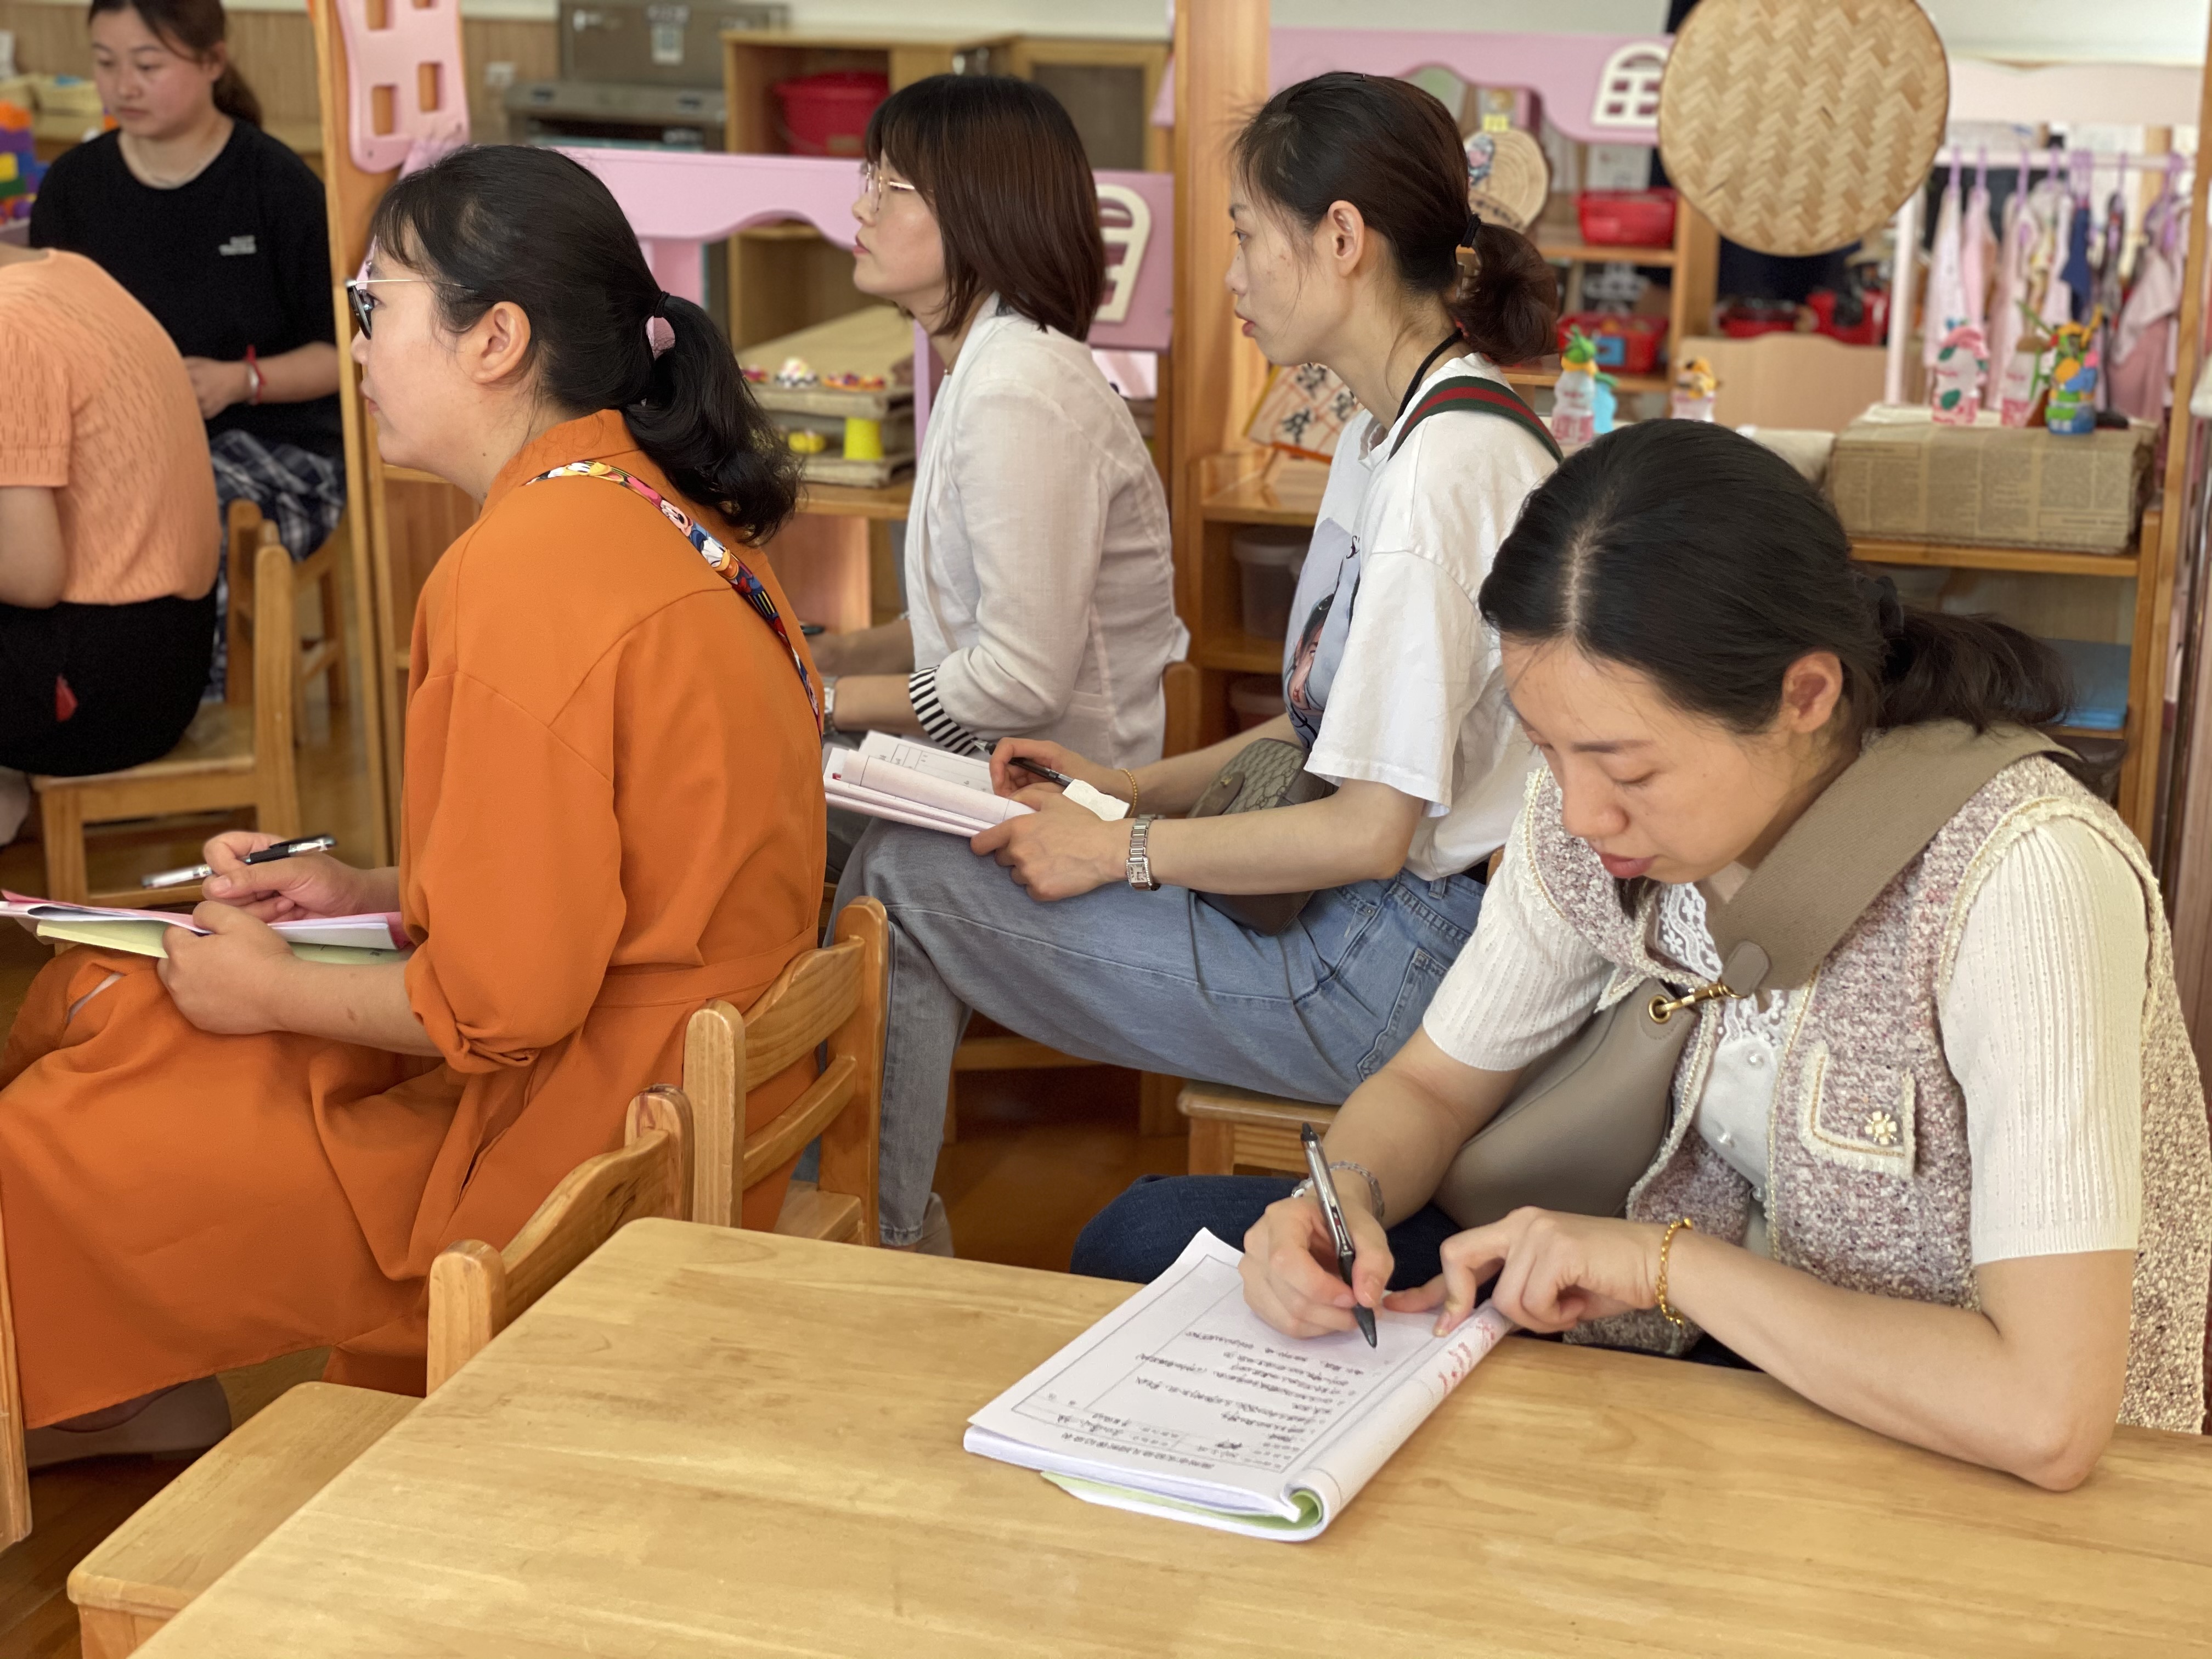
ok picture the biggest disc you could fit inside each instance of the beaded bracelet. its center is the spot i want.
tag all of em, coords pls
(1666, 1245)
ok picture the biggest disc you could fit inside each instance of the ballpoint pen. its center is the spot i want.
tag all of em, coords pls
(1340, 1234)
(1044, 771)
(270, 854)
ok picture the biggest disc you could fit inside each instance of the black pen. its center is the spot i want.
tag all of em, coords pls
(1042, 771)
(1340, 1234)
(282, 849)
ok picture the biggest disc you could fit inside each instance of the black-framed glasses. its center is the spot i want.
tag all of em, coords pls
(364, 302)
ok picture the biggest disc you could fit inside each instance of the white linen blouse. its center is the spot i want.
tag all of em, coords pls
(1040, 579)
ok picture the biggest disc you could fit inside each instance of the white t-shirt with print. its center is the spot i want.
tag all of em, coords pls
(1406, 682)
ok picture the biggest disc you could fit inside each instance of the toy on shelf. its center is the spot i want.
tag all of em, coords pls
(1695, 387)
(1575, 399)
(2071, 409)
(1954, 394)
(796, 374)
(843, 392)
(20, 169)
(805, 442)
(2021, 383)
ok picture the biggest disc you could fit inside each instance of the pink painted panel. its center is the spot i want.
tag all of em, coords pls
(415, 32)
(1601, 89)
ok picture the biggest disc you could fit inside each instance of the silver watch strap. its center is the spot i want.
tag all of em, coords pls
(1304, 1189)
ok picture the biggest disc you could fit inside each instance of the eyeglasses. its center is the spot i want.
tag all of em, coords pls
(874, 183)
(364, 302)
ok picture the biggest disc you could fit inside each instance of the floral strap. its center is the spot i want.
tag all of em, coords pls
(726, 564)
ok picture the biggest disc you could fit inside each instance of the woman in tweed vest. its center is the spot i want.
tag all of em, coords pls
(1957, 1186)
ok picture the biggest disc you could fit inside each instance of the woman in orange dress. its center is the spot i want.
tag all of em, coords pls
(611, 815)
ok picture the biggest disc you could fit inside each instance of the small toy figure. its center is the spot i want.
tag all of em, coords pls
(2020, 388)
(2071, 409)
(805, 442)
(20, 169)
(1574, 399)
(1954, 392)
(1695, 383)
(795, 373)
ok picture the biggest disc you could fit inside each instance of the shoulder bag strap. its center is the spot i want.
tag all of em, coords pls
(1478, 395)
(1852, 843)
(725, 563)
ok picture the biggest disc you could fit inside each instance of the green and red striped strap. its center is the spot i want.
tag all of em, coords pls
(1478, 396)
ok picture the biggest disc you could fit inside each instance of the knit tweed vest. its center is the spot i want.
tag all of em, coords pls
(1869, 1171)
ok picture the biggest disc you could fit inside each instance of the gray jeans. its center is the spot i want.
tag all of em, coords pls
(1154, 981)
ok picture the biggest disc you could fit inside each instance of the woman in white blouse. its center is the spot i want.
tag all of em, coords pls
(1039, 582)
(1958, 1187)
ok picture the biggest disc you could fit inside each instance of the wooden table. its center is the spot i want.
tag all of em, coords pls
(712, 1442)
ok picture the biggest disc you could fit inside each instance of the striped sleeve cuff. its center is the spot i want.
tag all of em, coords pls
(939, 726)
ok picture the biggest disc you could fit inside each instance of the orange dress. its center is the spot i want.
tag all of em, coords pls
(612, 814)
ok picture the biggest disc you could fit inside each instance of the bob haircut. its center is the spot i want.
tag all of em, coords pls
(1000, 164)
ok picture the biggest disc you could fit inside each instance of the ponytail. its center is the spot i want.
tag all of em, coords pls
(1393, 151)
(1707, 563)
(532, 227)
(197, 29)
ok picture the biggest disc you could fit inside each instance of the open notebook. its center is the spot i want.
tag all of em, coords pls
(340, 940)
(909, 782)
(1182, 1402)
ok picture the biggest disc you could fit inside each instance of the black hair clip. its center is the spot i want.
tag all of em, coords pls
(1473, 224)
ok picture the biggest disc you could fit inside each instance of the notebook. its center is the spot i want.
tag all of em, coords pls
(1182, 1402)
(909, 782)
(342, 940)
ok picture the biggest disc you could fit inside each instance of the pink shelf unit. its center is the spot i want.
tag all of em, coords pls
(678, 201)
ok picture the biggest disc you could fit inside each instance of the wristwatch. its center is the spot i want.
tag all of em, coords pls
(1304, 1189)
(1140, 861)
(829, 702)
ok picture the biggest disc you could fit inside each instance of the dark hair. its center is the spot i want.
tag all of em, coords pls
(1000, 164)
(1706, 561)
(1393, 151)
(196, 29)
(529, 226)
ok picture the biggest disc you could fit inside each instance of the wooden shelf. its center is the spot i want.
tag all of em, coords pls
(1239, 654)
(846, 501)
(1255, 499)
(1631, 383)
(1599, 254)
(1956, 558)
(409, 475)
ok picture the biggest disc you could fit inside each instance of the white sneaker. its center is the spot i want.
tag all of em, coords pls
(188, 1418)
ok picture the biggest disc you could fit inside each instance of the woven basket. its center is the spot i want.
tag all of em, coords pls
(1508, 179)
(1798, 126)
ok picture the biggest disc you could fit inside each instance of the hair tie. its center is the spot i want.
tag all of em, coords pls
(660, 332)
(1878, 595)
(1473, 225)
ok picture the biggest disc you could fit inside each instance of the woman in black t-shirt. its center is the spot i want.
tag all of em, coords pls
(220, 231)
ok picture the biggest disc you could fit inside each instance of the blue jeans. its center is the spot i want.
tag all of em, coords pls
(1138, 1236)
(1158, 982)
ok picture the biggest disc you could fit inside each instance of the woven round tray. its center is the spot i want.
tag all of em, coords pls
(1508, 179)
(1798, 126)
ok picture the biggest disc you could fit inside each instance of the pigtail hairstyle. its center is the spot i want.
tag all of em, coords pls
(197, 29)
(529, 226)
(1394, 152)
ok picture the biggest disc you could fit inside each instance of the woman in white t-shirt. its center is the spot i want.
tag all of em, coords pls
(1351, 218)
(1040, 580)
(1954, 1181)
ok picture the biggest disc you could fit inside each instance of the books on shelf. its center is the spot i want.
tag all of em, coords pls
(378, 936)
(1182, 1402)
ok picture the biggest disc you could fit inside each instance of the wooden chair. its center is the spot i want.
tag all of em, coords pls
(1234, 1129)
(680, 1158)
(1003, 1051)
(231, 756)
(152, 1566)
(833, 996)
(326, 655)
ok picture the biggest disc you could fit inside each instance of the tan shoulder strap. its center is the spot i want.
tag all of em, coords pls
(1850, 843)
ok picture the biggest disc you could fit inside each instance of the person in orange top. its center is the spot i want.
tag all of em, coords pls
(108, 529)
(612, 814)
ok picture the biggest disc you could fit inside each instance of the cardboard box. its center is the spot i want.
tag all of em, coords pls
(1896, 476)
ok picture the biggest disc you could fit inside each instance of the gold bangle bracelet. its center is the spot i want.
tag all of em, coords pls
(1666, 1245)
(1132, 777)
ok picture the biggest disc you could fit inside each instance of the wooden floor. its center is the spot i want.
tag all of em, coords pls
(1038, 1153)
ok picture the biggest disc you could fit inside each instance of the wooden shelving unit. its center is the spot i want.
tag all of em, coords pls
(1604, 253)
(2026, 560)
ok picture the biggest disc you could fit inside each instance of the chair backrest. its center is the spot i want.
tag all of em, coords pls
(275, 676)
(1181, 686)
(833, 996)
(476, 1291)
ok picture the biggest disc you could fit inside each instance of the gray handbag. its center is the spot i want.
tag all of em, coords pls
(1264, 774)
(1580, 1135)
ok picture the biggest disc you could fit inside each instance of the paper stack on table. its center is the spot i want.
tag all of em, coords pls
(378, 936)
(909, 781)
(1183, 1403)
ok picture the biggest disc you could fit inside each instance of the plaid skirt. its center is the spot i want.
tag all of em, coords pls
(300, 492)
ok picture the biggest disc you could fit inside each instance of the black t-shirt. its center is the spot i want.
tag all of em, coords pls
(240, 256)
